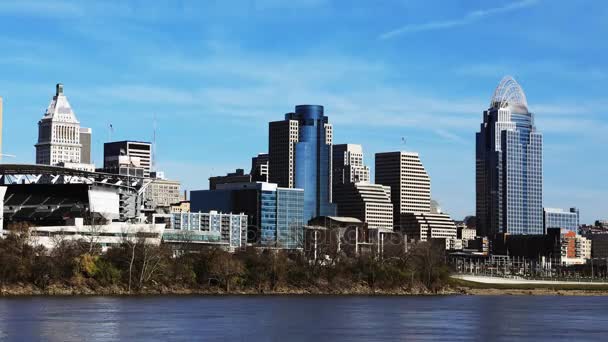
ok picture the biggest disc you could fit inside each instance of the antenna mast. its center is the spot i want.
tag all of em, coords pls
(154, 144)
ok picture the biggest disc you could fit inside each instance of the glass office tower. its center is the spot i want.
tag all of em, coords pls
(300, 150)
(275, 214)
(509, 160)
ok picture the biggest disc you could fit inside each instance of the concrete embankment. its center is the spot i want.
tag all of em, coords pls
(484, 285)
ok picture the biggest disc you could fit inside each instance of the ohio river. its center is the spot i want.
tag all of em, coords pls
(192, 318)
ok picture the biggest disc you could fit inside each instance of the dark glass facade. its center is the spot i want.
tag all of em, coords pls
(313, 160)
(509, 166)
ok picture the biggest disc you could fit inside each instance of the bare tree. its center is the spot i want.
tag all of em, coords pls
(152, 258)
(227, 269)
(131, 244)
(93, 233)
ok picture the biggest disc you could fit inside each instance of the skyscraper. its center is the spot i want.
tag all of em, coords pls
(85, 141)
(347, 163)
(410, 185)
(299, 154)
(58, 133)
(509, 162)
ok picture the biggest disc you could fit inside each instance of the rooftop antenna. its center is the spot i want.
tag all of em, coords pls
(110, 131)
(154, 144)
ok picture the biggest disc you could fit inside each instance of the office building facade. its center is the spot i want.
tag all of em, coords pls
(348, 166)
(370, 203)
(560, 218)
(409, 182)
(136, 153)
(509, 163)
(162, 193)
(299, 155)
(58, 132)
(275, 214)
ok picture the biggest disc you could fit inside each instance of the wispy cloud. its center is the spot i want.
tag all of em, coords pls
(449, 136)
(469, 18)
(42, 8)
(539, 68)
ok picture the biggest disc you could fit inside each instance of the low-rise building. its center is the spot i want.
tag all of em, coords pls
(330, 235)
(180, 207)
(562, 219)
(574, 249)
(211, 228)
(105, 235)
(599, 245)
(78, 166)
(465, 234)
(557, 245)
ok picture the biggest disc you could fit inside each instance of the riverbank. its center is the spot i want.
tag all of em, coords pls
(455, 287)
(538, 288)
(18, 290)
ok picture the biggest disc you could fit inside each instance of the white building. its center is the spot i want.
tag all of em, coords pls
(370, 203)
(78, 166)
(58, 133)
(466, 235)
(427, 226)
(107, 236)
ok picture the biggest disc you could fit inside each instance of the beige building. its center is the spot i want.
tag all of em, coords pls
(162, 193)
(181, 207)
(410, 185)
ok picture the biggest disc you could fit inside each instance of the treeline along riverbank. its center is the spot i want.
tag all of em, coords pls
(80, 268)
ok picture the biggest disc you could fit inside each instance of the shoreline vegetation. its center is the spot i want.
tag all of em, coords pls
(136, 268)
(61, 290)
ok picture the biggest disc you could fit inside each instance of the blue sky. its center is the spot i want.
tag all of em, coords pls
(213, 73)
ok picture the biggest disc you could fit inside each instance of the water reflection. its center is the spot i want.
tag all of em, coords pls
(457, 318)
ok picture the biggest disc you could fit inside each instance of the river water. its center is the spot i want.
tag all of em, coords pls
(195, 318)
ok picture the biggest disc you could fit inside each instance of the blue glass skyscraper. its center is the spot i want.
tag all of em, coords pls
(509, 160)
(300, 156)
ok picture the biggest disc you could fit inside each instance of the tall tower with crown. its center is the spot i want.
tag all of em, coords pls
(58, 133)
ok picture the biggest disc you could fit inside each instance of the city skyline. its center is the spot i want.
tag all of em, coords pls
(206, 89)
